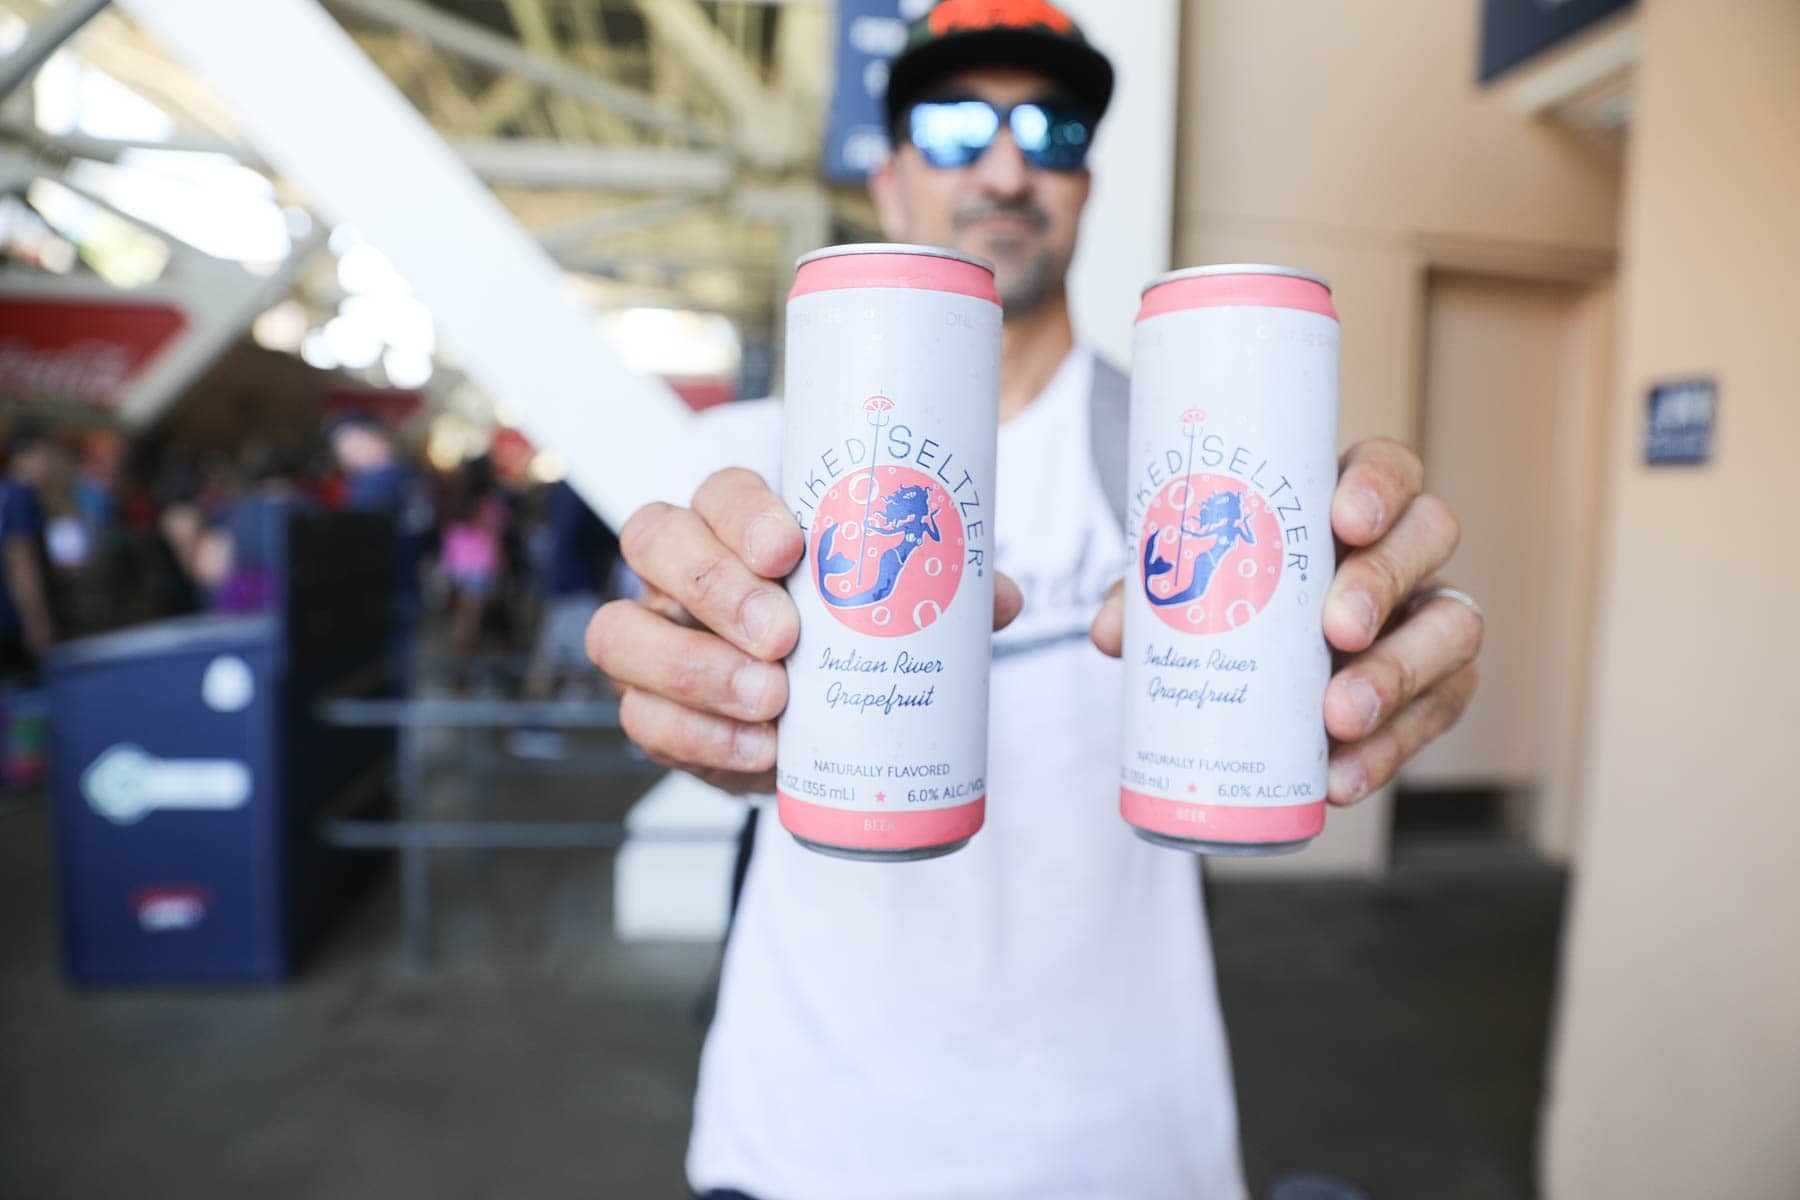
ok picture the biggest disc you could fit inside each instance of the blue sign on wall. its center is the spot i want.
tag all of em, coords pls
(870, 32)
(1680, 428)
(1513, 31)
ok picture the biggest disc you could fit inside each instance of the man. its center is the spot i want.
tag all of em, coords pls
(26, 625)
(1033, 1016)
(376, 480)
(582, 552)
(234, 560)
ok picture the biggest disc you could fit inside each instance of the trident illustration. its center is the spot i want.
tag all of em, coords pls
(1193, 420)
(878, 407)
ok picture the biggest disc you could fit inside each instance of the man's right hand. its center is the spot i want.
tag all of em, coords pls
(697, 661)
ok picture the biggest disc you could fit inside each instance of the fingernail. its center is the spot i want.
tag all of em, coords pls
(757, 616)
(763, 539)
(1365, 701)
(1348, 782)
(754, 684)
(750, 745)
(1370, 502)
(1363, 605)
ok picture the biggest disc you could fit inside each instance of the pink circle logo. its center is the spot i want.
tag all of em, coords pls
(1212, 549)
(887, 550)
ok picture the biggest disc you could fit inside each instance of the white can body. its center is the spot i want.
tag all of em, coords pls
(1233, 460)
(891, 417)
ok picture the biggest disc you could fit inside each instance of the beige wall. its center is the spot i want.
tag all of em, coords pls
(1351, 139)
(1677, 1066)
(1579, 454)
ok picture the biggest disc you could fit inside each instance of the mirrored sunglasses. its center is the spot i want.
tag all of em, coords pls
(954, 133)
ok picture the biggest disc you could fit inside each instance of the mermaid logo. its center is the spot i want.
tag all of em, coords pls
(887, 544)
(1212, 546)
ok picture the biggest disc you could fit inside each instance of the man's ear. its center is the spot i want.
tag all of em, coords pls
(890, 204)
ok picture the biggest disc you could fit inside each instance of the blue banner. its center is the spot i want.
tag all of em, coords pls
(870, 32)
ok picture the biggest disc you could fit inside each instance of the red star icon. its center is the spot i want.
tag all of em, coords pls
(880, 797)
(1192, 788)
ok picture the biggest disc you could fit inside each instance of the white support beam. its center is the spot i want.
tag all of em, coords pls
(621, 262)
(363, 154)
(120, 49)
(43, 37)
(81, 145)
(532, 21)
(471, 41)
(530, 163)
(766, 130)
(802, 214)
(517, 161)
(618, 222)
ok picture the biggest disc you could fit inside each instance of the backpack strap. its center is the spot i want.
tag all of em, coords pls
(1109, 418)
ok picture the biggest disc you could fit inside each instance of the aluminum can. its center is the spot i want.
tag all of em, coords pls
(1233, 459)
(891, 415)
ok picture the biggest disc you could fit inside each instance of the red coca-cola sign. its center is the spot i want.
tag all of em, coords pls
(84, 352)
(701, 392)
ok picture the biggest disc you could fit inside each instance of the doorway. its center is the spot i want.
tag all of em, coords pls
(1517, 377)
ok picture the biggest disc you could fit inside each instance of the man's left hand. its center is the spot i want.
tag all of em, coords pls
(1406, 657)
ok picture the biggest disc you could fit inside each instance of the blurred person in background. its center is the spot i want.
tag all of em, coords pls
(94, 565)
(180, 522)
(96, 480)
(376, 479)
(1034, 1015)
(472, 557)
(580, 557)
(27, 624)
(235, 561)
(577, 560)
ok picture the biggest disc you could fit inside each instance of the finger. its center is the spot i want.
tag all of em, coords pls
(1008, 600)
(738, 783)
(1434, 642)
(664, 606)
(1360, 768)
(1377, 479)
(1108, 629)
(695, 741)
(1371, 581)
(676, 552)
(751, 521)
(638, 649)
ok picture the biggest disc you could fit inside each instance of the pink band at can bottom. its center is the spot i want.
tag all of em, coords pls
(1237, 291)
(1222, 822)
(876, 269)
(896, 830)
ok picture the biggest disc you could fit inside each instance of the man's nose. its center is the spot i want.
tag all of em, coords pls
(1002, 170)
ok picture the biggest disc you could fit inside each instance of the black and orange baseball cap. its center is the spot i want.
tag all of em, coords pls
(1034, 34)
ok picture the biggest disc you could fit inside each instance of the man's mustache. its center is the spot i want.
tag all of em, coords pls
(1022, 210)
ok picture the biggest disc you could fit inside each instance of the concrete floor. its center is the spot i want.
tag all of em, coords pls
(1392, 1034)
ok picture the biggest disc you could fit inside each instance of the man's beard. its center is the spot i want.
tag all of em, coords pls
(1027, 275)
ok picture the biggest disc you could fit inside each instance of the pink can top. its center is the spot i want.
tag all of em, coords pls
(883, 265)
(1237, 285)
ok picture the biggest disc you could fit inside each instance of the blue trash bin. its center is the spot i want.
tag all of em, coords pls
(168, 796)
(188, 772)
